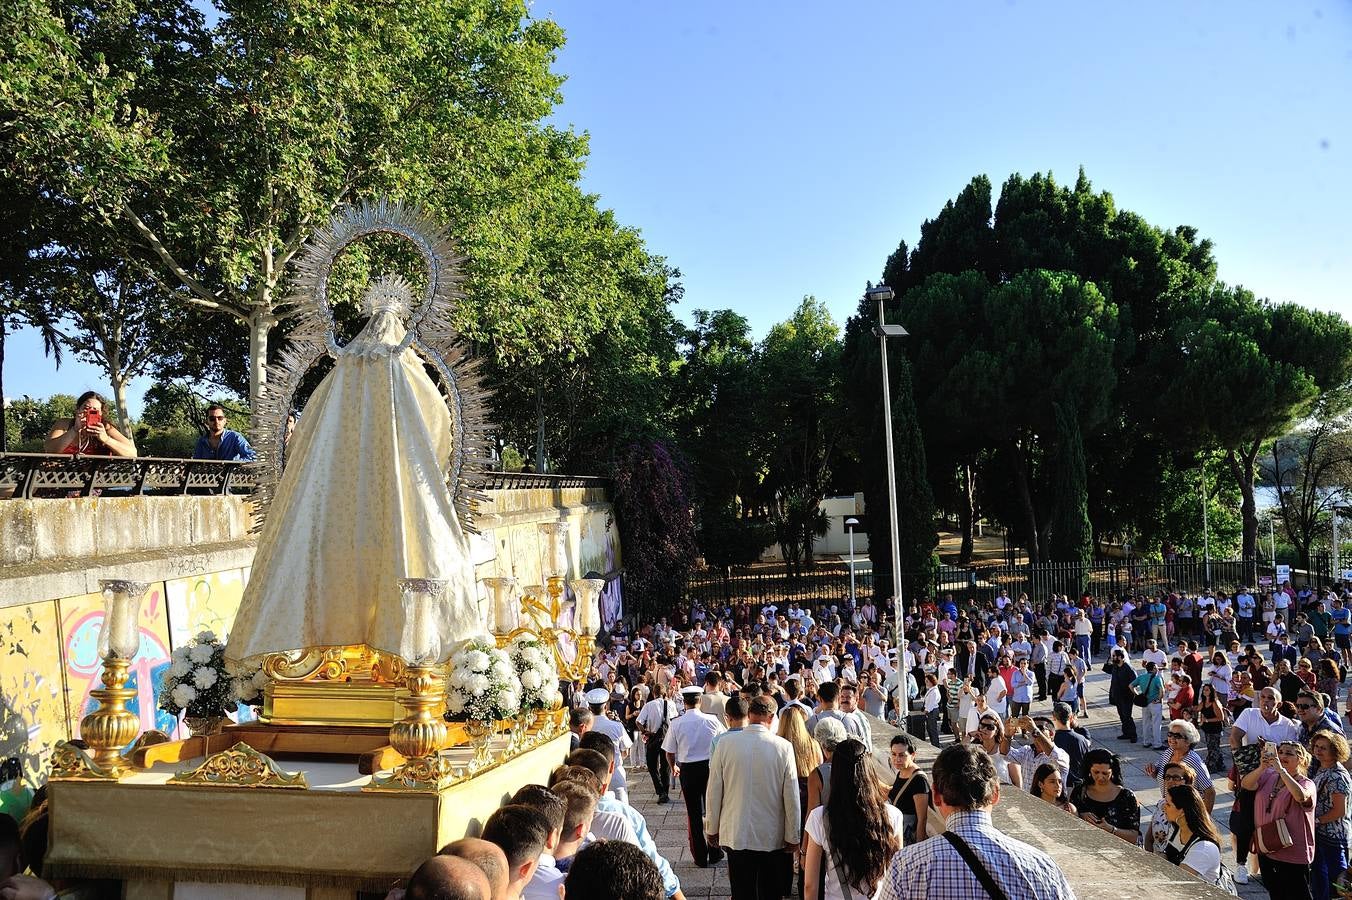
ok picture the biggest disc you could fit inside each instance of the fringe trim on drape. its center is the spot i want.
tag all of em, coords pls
(222, 875)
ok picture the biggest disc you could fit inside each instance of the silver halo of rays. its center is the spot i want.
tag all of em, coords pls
(430, 333)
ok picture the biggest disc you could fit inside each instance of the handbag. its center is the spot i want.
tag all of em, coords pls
(1273, 836)
(1143, 698)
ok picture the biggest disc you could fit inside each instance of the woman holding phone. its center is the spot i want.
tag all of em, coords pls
(88, 432)
(1282, 793)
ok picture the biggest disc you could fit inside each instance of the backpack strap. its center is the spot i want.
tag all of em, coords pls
(977, 866)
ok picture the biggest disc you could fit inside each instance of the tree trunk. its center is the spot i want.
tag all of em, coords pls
(539, 431)
(1241, 467)
(1020, 455)
(4, 434)
(119, 383)
(260, 323)
(967, 513)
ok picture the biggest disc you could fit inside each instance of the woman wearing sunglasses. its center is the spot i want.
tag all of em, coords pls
(1179, 739)
(1283, 794)
(1161, 830)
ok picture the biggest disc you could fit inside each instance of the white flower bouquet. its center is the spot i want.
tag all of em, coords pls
(250, 679)
(534, 664)
(197, 683)
(483, 686)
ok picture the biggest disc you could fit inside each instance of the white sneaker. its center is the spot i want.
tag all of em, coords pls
(1241, 875)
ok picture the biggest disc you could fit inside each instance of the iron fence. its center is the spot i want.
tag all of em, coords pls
(29, 475)
(1107, 578)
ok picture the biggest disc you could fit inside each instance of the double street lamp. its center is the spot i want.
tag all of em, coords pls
(882, 295)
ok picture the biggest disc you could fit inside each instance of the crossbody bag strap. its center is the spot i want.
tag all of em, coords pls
(977, 866)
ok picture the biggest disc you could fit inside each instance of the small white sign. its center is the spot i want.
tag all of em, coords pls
(1283, 573)
(1264, 580)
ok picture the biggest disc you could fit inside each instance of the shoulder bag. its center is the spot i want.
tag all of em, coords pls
(978, 868)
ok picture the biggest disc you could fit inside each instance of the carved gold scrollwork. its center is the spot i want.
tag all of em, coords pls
(70, 763)
(241, 766)
(351, 663)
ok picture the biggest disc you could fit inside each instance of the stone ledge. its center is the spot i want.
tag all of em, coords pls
(39, 582)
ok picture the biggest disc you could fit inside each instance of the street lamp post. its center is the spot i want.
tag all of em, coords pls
(882, 294)
(849, 526)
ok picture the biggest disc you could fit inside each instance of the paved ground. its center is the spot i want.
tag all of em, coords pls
(667, 822)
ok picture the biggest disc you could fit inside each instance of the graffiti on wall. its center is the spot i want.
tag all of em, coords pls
(81, 620)
(204, 603)
(32, 708)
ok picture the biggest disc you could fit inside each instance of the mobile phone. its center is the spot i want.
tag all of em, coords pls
(93, 417)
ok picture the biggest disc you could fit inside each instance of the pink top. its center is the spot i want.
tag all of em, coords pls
(1267, 808)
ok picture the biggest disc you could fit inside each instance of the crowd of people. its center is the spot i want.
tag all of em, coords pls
(764, 718)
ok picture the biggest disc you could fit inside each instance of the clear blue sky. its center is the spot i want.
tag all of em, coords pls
(776, 149)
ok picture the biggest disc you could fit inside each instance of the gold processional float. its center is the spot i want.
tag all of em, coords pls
(361, 622)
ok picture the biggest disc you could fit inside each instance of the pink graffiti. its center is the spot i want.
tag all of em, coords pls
(83, 665)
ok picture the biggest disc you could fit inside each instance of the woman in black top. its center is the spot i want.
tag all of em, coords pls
(1103, 801)
(910, 792)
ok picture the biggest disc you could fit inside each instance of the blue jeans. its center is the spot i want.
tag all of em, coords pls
(1330, 859)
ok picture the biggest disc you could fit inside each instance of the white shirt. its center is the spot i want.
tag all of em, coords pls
(1256, 728)
(622, 741)
(545, 883)
(691, 736)
(650, 717)
(816, 828)
(1156, 656)
(1204, 858)
(932, 699)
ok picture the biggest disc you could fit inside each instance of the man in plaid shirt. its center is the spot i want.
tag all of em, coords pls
(965, 788)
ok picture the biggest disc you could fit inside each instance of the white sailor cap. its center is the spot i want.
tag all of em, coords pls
(598, 696)
(692, 690)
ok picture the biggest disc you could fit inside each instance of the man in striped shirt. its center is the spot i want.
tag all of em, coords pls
(965, 789)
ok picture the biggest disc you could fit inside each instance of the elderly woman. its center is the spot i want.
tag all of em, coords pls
(1179, 738)
(1282, 793)
(829, 734)
(1103, 800)
(1332, 786)
(1161, 830)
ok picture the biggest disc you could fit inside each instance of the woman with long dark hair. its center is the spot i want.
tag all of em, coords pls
(1048, 785)
(851, 840)
(1196, 843)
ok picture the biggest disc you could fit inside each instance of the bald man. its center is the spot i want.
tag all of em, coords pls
(488, 856)
(448, 878)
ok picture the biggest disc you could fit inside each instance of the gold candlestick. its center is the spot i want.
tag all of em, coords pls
(112, 726)
(420, 735)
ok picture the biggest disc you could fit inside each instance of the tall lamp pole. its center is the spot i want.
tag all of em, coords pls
(882, 294)
(849, 526)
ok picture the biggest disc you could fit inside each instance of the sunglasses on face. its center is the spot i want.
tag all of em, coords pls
(1175, 734)
(1169, 778)
(987, 726)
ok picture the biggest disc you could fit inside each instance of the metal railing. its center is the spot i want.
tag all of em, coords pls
(30, 475)
(516, 481)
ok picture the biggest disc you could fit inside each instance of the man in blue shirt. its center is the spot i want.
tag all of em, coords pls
(1341, 617)
(220, 442)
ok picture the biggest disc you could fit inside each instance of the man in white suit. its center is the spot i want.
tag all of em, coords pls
(751, 805)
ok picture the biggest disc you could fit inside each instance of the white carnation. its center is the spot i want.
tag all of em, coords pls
(477, 684)
(179, 654)
(206, 637)
(204, 678)
(501, 669)
(245, 692)
(530, 679)
(477, 660)
(179, 667)
(510, 701)
(260, 679)
(455, 703)
(458, 659)
(183, 695)
(201, 653)
(457, 678)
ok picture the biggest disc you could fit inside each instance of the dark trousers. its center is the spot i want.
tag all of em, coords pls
(1054, 684)
(694, 781)
(658, 769)
(1284, 880)
(755, 874)
(1241, 825)
(1040, 671)
(932, 726)
(1125, 711)
(1096, 639)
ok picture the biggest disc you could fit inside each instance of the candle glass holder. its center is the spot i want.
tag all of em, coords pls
(112, 726)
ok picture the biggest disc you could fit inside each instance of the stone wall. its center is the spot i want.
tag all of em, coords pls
(196, 553)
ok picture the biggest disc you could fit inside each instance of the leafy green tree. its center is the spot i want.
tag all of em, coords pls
(652, 508)
(1250, 369)
(1311, 471)
(1070, 538)
(799, 364)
